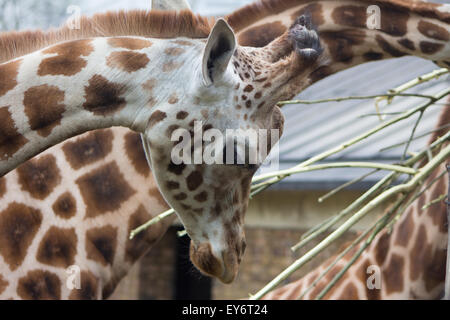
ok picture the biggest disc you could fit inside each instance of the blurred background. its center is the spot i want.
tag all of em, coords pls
(276, 218)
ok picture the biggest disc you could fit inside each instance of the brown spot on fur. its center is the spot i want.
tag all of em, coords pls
(103, 97)
(101, 244)
(18, 227)
(388, 48)
(393, 274)
(2, 187)
(129, 43)
(419, 255)
(10, 139)
(382, 248)
(180, 197)
(405, 229)
(156, 117)
(88, 149)
(183, 43)
(433, 31)
(173, 99)
(39, 285)
(44, 106)
(262, 35)
(430, 47)
(176, 168)
(89, 287)
(194, 180)
(248, 88)
(140, 244)
(149, 85)
(201, 197)
(435, 270)
(135, 152)
(170, 66)
(127, 61)
(314, 10)
(58, 248)
(104, 190)
(408, 44)
(351, 16)
(394, 22)
(174, 51)
(3, 284)
(372, 56)
(172, 185)
(341, 43)
(8, 76)
(65, 206)
(349, 293)
(39, 176)
(68, 61)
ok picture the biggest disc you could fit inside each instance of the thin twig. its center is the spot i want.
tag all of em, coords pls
(411, 137)
(345, 185)
(441, 198)
(416, 95)
(370, 165)
(415, 138)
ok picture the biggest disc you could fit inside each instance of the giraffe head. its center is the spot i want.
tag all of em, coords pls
(228, 87)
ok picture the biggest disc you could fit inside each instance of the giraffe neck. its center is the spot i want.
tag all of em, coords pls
(56, 93)
(397, 28)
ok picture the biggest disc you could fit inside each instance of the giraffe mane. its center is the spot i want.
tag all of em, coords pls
(258, 10)
(155, 23)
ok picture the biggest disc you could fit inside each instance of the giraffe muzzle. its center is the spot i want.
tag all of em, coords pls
(224, 268)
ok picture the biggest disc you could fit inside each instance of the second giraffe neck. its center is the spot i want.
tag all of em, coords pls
(53, 94)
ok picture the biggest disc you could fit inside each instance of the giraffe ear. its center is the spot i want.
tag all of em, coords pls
(167, 5)
(218, 52)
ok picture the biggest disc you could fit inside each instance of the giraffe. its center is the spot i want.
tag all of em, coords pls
(103, 73)
(411, 258)
(246, 22)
